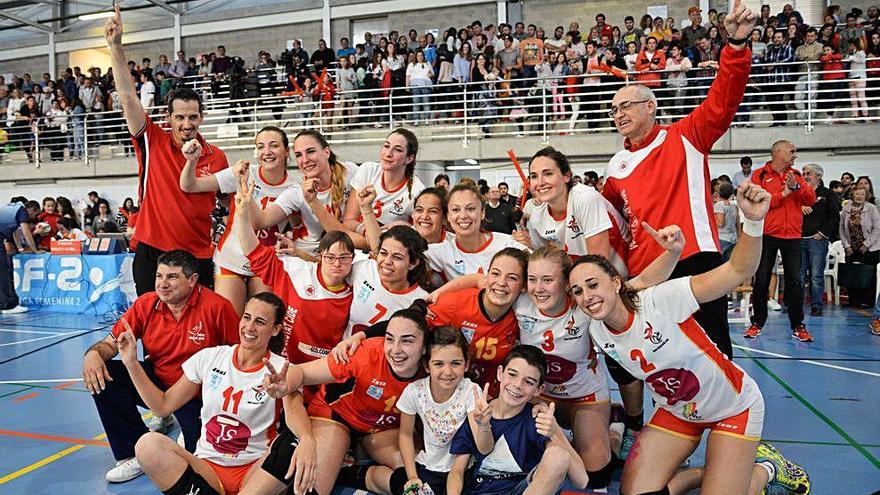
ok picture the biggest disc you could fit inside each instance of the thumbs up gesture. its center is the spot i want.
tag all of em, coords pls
(545, 421)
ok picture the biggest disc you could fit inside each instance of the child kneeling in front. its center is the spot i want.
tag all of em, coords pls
(517, 447)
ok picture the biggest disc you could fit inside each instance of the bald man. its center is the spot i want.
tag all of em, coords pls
(662, 177)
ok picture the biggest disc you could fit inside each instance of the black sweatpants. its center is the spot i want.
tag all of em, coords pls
(794, 286)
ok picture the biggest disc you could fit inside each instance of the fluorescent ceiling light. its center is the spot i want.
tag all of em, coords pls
(463, 167)
(96, 15)
(471, 161)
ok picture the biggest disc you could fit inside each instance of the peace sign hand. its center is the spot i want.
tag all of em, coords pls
(740, 22)
(482, 410)
(275, 382)
(113, 29)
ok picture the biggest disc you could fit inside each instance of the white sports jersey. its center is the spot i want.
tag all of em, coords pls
(573, 368)
(449, 259)
(390, 206)
(228, 253)
(309, 234)
(684, 370)
(372, 301)
(587, 214)
(239, 419)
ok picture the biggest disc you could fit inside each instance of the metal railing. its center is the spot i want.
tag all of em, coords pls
(524, 107)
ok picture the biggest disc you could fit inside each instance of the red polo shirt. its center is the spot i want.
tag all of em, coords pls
(208, 320)
(170, 218)
(785, 218)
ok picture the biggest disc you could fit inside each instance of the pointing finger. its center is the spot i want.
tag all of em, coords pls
(486, 392)
(650, 230)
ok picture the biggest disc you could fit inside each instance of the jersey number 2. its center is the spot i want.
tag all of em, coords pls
(637, 355)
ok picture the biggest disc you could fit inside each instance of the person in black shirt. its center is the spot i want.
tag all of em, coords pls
(323, 56)
(506, 198)
(820, 228)
(498, 216)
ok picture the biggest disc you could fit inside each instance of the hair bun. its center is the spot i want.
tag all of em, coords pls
(421, 306)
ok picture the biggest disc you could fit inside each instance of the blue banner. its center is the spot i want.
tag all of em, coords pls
(80, 284)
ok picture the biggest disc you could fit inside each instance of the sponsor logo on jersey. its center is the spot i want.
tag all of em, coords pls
(197, 333)
(556, 389)
(218, 371)
(375, 391)
(574, 228)
(690, 412)
(623, 166)
(674, 384)
(549, 232)
(310, 290)
(634, 222)
(216, 379)
(311, 350)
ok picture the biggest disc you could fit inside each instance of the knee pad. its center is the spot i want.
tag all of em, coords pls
(398, 481)
(601, 478)
(618, 374)
(353, 477)
(191, 482)
(278, 461)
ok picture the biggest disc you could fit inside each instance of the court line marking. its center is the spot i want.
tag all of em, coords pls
(54, 438)
(806, 361)
(54, 457)
(28, 382)
(813, 442)
(26, 397)
(14, 330)
(17, 392)
(828, 421)
(36, 339)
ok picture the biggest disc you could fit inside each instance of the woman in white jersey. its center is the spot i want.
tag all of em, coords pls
(653, 335)
(574, 216)
(393, 177)
(429, 215)
(239, 418)
(316, 203)
(391, 279)
(471, 249)
(577, 379)
(233, 278)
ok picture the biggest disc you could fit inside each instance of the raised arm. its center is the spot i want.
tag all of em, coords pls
(672, 240)
(128, 98)
(188, 181)
(329, 221)
(754, 202)
(242, 226)
(371, 225)
(161, 403)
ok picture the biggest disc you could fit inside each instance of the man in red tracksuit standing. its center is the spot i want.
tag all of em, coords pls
(782, 233)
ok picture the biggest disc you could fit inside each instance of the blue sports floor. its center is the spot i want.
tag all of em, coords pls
(822, 400)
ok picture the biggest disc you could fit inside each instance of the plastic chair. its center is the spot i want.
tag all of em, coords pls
(835, 256)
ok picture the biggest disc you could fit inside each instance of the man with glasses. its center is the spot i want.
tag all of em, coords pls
(661, 177)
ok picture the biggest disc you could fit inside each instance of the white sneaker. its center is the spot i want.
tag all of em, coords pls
(16, 310)
(774, 305)
(125, 470)
(160, 424)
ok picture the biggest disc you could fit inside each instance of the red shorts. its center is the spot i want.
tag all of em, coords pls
(588, 400)
(231, 477)
(320, 410)
(747, 424)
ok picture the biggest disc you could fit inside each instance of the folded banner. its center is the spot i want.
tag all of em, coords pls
(87, 284)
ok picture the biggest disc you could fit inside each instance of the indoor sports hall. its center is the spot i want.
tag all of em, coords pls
(481, 86)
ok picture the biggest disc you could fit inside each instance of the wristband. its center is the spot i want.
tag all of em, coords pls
(736, 42)
(754, 228)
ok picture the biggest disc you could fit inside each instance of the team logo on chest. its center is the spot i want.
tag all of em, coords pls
(468, 329)
(365, 291)
(654, 336)
(197, 333)
(397, 206)
(571, 329)
(310, 290)
(260, 395)
(527, 324)
(376, 389)
(574, 228)
(459, 267)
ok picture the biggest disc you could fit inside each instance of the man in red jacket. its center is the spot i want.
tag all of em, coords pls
(662, 177)
(782, 233)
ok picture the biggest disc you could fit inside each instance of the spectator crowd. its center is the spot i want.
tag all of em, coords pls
(510, 72)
